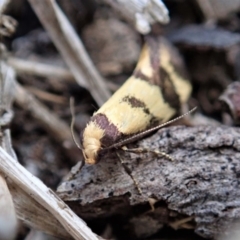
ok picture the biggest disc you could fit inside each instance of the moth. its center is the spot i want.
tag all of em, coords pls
(152, 95)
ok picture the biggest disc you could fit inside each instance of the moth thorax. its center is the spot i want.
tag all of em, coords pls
(91, 141)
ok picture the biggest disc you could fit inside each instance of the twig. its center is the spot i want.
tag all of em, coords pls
(39, 69)
(33, 214)
(47, 96)
(27, 209)
(47, 198)
(43, 70)
(71, 48)
(8, 218)
(58, 129)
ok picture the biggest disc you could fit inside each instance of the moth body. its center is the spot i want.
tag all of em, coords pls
(152, 95)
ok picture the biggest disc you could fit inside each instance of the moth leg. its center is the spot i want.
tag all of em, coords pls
(183, 223)
(145, 150)
(151, 201)
(128, 171)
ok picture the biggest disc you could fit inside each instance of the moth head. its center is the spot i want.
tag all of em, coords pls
(91, 142)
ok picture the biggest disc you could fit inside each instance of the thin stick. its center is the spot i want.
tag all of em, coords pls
(75, 226)
(48, 71)
(43, 95)
(8, 218)
(71, 48)
(39, 69)
(58, 129)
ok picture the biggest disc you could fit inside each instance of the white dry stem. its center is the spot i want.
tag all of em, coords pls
(8, 220)
(35, 204)
(45, 70)
(39, 69)
(48, 119)
(143, 13)
(76, 227)
(71, 48)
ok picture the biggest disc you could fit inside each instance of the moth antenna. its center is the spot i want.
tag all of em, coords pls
(144, 133)
(73, 122)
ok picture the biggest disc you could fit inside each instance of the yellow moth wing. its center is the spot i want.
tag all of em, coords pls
(130, 119)
(144, 62)
(182, 85)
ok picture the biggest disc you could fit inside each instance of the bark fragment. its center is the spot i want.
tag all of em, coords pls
(202, 182)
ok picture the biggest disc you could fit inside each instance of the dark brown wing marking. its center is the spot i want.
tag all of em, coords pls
(111, 132)
(168, 90)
